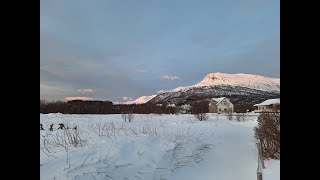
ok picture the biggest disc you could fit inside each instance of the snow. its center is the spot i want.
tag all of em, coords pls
(172, 147)
(218, 100)
(272, 170)
(244, 80)
(268, 102)
(141, 100)
(171, 105)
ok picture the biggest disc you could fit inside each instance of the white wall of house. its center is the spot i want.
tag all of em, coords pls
(261, 108)
(225, 106)
(264, 108)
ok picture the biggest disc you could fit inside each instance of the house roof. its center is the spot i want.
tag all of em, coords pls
(269, 102)
(218, 100)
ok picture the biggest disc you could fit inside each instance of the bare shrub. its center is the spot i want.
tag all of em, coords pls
(124, 117)
(268, 133)
(150, 128)
(229, 115)
(51, 127)
(130, 117)
(240, 116)
(44, 147)
(68, 137)
(201, 116)
(106, 129)
(73, 137)
(243, 116)
(127, 116)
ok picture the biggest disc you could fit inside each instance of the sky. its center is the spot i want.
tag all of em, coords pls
(119, 50)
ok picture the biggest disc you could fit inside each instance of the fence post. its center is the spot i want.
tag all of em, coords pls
(259, 176)
(259, 169)
(260, 154)
(260, 162)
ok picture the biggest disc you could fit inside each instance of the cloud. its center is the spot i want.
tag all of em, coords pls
(160, 91)
(171, 77)
(83, 91)
(125, 98)
(79, 50)
(77, 98)
(66, 68)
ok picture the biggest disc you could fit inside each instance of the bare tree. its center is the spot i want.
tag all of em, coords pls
(127, 116)
(200, 109)
(130, 117)
(201, 116)
(124, 117)
(229, 115)
(268, 133)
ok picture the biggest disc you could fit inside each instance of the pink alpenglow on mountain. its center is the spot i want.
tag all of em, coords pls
(240, 79)
(252, 81)
(141, 100)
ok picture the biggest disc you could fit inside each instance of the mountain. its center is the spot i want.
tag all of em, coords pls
(141, 100)
(244, 80)
(239, 88)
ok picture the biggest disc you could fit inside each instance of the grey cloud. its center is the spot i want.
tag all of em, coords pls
(69, 68)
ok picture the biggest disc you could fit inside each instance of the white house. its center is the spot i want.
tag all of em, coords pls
(268, 105)
(220, 105)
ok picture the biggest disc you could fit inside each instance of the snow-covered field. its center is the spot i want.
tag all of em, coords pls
(171, 147)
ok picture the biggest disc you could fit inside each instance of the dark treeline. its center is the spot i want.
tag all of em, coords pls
(199, 107)
(203, 107)
(76, 107)
(103, 107)
(107, 107)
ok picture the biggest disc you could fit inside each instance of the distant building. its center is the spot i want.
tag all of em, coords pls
(220, 105)
(268, 105)
(185, 109)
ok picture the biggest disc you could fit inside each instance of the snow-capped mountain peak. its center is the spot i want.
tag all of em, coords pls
(141, 100)
(248, 88)
(245, 80)
(235, 79)
(252, 81)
